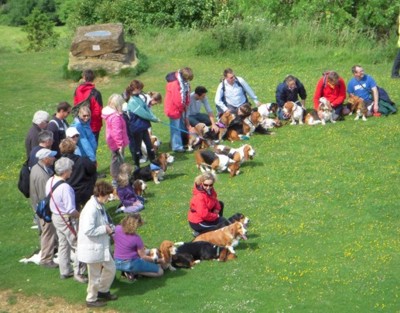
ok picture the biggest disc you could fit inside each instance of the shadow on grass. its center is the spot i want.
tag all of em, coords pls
(143, 284)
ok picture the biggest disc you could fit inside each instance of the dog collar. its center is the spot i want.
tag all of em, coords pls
(154, 167)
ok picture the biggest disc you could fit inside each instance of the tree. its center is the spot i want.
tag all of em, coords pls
(40, 31)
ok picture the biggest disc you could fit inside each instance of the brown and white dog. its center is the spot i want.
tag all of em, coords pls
(223, 123)
(244, 153)
(167, 250)
(251, 122)
(209, 161)
(155, 170)
(227, 236)
(269, 123)
(325, 111)
(196, 136)
(294, 111)
(359, 107)
(139, 186)
(155, 144)
(268, 109)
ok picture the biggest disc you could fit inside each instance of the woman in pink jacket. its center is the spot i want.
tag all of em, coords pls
(116, 133)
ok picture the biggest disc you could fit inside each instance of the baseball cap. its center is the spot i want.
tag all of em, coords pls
(45, 153)
(71, 132)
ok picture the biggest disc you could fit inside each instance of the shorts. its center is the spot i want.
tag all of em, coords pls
(136, 266)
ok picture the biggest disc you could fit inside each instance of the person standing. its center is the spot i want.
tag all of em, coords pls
(95, 230)
(140, 116)
(87, 141)
(39, 122)
(83, 177)
(116, 133)
(58, 125)
(396, 63)
(177, 99)
(232, 93)
(65, 217)
(40, 173)
(84, 91)
(45, 141)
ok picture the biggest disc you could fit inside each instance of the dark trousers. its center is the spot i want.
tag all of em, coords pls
(396, 64)
(138, 137)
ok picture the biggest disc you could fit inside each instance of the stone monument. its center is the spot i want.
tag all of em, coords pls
(101, 47)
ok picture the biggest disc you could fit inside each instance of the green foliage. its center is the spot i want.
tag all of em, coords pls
(17, 11)
(324, 235)
(40, 31)
(138, 14)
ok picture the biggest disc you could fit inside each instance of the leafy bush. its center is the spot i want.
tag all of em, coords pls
(238, 36)
(40, 31)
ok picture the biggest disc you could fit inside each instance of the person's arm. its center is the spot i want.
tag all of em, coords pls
(218, 99)
(318, 93)
(279, 95)
(375, 96)
(302, 93)
(210, 114)
(341, 93)
(249, 91)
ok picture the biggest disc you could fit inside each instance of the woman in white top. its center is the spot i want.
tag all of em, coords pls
(64, 217)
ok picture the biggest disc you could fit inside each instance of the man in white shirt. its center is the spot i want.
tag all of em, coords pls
(233, 92)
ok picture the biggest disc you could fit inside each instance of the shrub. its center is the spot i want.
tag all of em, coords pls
(40, 31)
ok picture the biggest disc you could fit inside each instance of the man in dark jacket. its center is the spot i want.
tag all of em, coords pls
(58, 125)
(290, 90)
(39, 122)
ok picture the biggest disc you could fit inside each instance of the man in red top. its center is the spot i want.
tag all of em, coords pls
(82, 92)
(333, 88)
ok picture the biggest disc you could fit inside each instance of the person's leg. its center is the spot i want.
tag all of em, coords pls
(107, 276)
(146, 268)
(149, 147)
(137, 137)
(47, 242)
(396, 66)
(199, 118)
(94, 272)
(176, 139)
(64, 251)
(114, 165)
(96, 135)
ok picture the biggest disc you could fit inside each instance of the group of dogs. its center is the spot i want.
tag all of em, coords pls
(213, 245)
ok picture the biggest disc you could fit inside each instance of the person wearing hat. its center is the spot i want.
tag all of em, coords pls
(40, 121)
(73, 133)
(40, 173)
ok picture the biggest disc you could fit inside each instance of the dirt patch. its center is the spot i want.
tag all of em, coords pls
(12, 302)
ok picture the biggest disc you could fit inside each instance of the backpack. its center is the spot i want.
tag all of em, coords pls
(240, 85)
(86, 102)
(43, 207)
(23, 181)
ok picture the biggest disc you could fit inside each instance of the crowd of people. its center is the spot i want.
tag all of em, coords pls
(63, 163)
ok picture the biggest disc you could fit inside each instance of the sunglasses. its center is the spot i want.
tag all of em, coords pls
(85, 115)
(208, 185)
(75, 136)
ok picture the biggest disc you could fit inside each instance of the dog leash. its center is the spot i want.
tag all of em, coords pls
(182, 130)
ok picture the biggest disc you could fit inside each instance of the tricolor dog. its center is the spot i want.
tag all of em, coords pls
(155, 170)
(295, 112)
(209, 161)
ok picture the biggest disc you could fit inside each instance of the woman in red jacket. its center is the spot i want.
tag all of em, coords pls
(205, 212)
(332, 87)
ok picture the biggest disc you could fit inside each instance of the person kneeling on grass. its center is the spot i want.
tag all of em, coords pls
(130, 252)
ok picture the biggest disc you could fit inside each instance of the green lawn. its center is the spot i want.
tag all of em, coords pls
(323, 200)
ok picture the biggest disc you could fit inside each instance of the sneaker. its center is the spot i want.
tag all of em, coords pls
(106, 296)
(180, 150)
(142, 160)
(50, 264)
(101, 175)
(395, 76)
(195, 233)
(81, 279)
(69, 275)
(95, 304)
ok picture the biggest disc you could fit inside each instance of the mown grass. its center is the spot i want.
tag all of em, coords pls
(323, 201)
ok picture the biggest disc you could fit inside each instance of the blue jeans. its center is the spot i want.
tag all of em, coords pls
(175, 130)
(136, 266)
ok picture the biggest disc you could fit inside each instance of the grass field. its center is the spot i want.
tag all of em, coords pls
(323, 200)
